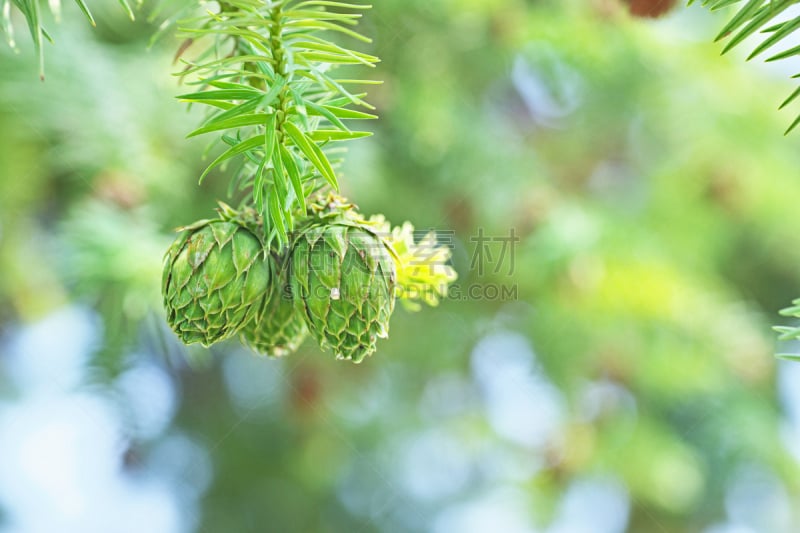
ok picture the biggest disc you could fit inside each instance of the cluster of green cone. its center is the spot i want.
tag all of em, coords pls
(337, 280)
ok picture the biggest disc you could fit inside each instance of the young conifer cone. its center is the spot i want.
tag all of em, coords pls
(278, 329)
(215, 276)
(343, 281)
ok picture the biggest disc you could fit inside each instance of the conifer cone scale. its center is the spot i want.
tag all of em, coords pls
(343, 283)
(214, 275)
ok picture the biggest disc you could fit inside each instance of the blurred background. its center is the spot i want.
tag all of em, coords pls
(619, 200)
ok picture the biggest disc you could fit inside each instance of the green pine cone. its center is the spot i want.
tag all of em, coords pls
(215, 275)
(343, 283)
(278, 329)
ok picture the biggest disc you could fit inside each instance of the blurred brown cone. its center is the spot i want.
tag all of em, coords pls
(649, 8)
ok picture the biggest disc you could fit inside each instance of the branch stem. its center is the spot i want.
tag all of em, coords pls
(281, 66)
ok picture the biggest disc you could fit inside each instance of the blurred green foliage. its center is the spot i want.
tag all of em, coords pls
(653, 195)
